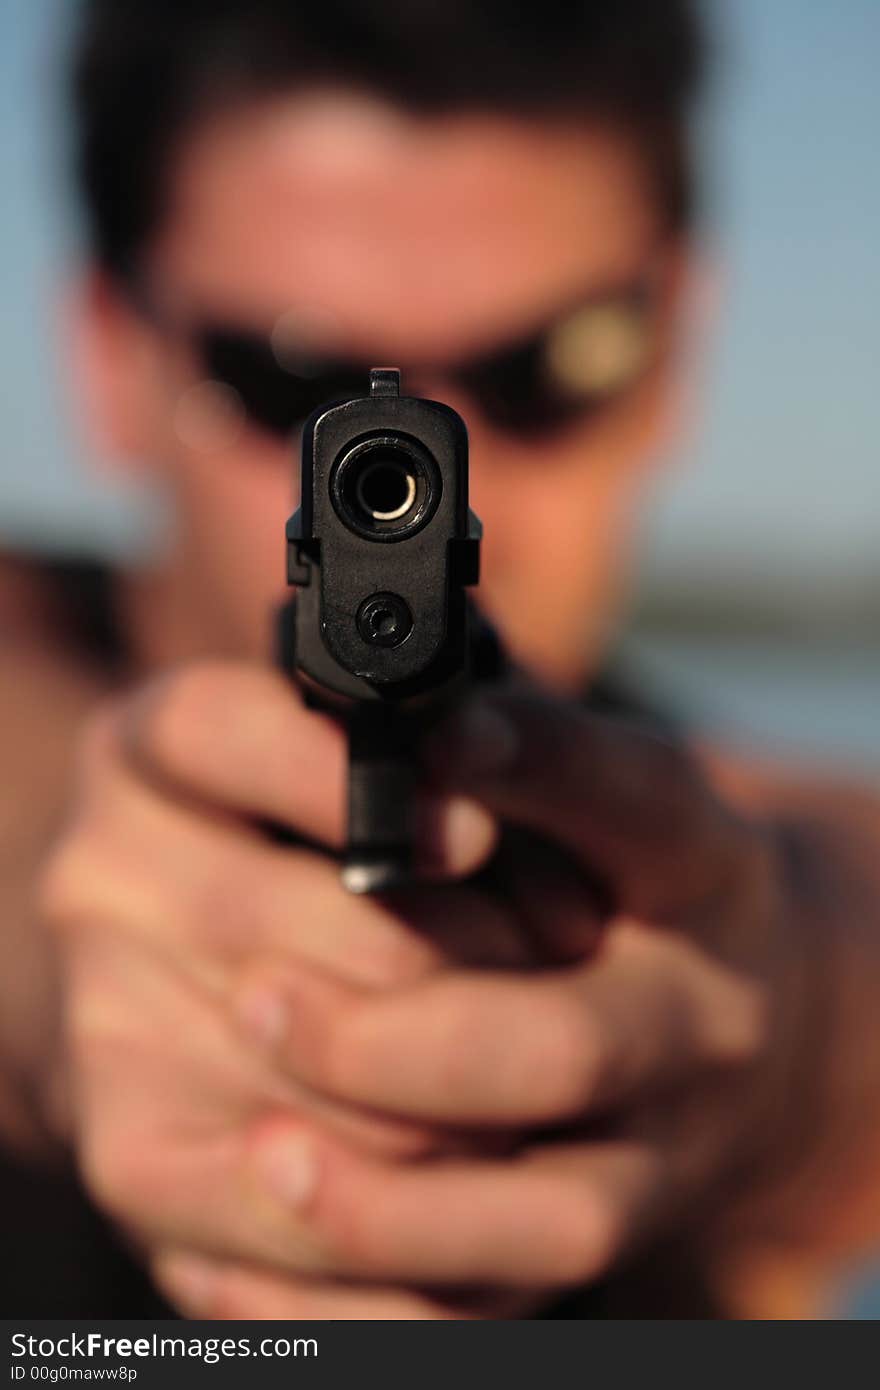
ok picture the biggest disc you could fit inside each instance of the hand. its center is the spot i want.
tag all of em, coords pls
(648, 1077)
(161, 891)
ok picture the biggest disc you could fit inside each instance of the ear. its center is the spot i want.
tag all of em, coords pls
(115, 366)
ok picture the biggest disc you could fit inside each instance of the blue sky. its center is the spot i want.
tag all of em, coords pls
(781, 482)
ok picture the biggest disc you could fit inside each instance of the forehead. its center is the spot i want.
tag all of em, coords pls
(422, 236)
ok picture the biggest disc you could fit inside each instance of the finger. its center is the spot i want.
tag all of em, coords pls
(454, 837)
(210, 895)
(630, 804)
(210, 892)
(496, 1049)
(295, 1200)
(239, 738)
(154, 1061)
(214, 1289)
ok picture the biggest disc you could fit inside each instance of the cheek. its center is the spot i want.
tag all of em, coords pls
(244, 497)
(547, 516)
(557, 529)
(544, 551)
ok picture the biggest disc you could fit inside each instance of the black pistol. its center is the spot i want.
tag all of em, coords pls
(382, 551)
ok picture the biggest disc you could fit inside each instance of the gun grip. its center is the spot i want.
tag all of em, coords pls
(381, 800)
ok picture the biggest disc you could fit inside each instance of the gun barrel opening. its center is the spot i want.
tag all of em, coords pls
(386, 487)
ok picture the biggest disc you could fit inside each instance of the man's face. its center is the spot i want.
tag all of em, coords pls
(377, 236)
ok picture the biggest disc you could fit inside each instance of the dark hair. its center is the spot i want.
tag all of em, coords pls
(146, 69)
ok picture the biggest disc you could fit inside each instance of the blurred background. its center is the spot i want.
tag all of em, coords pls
(758, 603)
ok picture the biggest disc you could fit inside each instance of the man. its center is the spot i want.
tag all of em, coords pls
(659, 1025)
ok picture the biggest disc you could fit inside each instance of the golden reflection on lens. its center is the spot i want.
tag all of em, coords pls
(598, 349)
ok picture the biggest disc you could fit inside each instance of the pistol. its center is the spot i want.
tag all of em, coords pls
(381, 631)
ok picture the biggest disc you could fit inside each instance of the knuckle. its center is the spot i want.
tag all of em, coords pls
(324, 1051)
(287, 1223)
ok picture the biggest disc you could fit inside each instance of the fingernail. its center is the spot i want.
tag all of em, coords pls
(468, 834)
(191, 1279)
(288, 1167)
(263, 1015)
(481, 742)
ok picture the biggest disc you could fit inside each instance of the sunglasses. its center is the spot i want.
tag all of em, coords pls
(573, 368)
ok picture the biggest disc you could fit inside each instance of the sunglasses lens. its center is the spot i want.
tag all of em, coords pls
(598, 350)
(509, 390)
(572, 370)
(273, 396)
